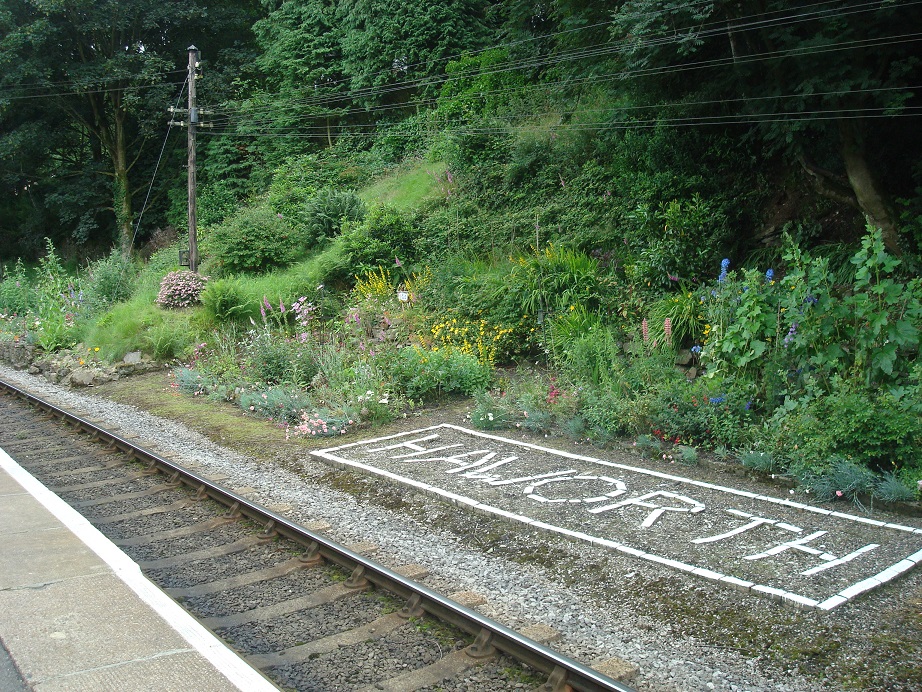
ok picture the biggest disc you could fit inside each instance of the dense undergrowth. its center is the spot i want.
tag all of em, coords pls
(594, 284)
(795, 369)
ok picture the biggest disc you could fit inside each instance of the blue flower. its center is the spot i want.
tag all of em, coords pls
(770, 275)
(696, 349)
(717, 399)
(724, 264)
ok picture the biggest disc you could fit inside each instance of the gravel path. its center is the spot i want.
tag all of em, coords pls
(685, 634)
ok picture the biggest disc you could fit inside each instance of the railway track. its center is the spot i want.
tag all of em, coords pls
(309, 613)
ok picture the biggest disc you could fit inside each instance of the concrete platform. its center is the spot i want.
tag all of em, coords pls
(77, 614)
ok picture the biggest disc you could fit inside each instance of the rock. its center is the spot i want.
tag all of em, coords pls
(82, 377)
(683, 357)
(133, 358)
(691, 373)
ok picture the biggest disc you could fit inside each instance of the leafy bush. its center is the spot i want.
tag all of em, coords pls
(111, 280)
(385, 235)
(890, 488)
(489, 412)
(229, 300)
(325, 213)
(273, 360)
(420, 373)
(682, 311)
(15, 290)
(253, 240)
(181, 289)
(806, 323)
(876, 431)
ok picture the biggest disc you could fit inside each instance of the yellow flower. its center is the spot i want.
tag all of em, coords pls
(96, 349)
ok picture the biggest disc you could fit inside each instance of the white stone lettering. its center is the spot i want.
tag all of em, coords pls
(756, 521)
(693, 506)
(620, 489)
(410, 444)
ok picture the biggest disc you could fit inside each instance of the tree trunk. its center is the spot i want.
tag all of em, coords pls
(121, 189)
(871, 199)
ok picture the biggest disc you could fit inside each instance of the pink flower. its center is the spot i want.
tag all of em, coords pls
(667, 327)
(838, 493)
(645, 330)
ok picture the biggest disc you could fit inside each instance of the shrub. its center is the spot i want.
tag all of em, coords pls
(648, 446)
(325, 212)
(228, 300)
(111, 280)
(890, 488)
(490, 412)
(421, 373)
(876, 431)
(760, 461)
(842, 480)
(253, 240)
(275, 403)
(15, 291)
(272, 359)
(181, 289)
(384, 235)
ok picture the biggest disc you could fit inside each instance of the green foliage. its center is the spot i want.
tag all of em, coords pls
(272, 359)
(281, 404)
(806, 323)
(139, 325)
(648, 445)
(844, 479)
(758, 460)
(15, 290)
(252, 240)
(685, 314)
(421, 373)
(325, 213)
(890, 488)
(874, 430)
(384, 236)
(229, 300)
(169, 338)
(489, 412)
(557, 279)
(110, 280)
(181, 289)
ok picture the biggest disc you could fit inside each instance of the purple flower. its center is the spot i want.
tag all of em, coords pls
(791, 333)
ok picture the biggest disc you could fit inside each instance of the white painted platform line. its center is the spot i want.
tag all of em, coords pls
(228, 663)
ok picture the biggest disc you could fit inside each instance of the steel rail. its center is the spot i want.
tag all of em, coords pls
(489, 634)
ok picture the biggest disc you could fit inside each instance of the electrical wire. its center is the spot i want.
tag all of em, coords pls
(150, 187)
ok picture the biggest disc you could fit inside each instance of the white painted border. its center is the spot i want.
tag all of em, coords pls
(227, 662)
(779, 594)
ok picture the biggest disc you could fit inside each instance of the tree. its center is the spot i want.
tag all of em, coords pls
(824, 83)
(391, 48)
(105, 70)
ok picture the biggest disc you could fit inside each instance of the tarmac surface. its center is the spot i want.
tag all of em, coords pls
(77, 614)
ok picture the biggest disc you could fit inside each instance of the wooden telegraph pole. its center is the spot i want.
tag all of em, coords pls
(192, 124)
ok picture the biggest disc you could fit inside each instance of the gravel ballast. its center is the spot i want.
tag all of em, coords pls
(684, 634)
